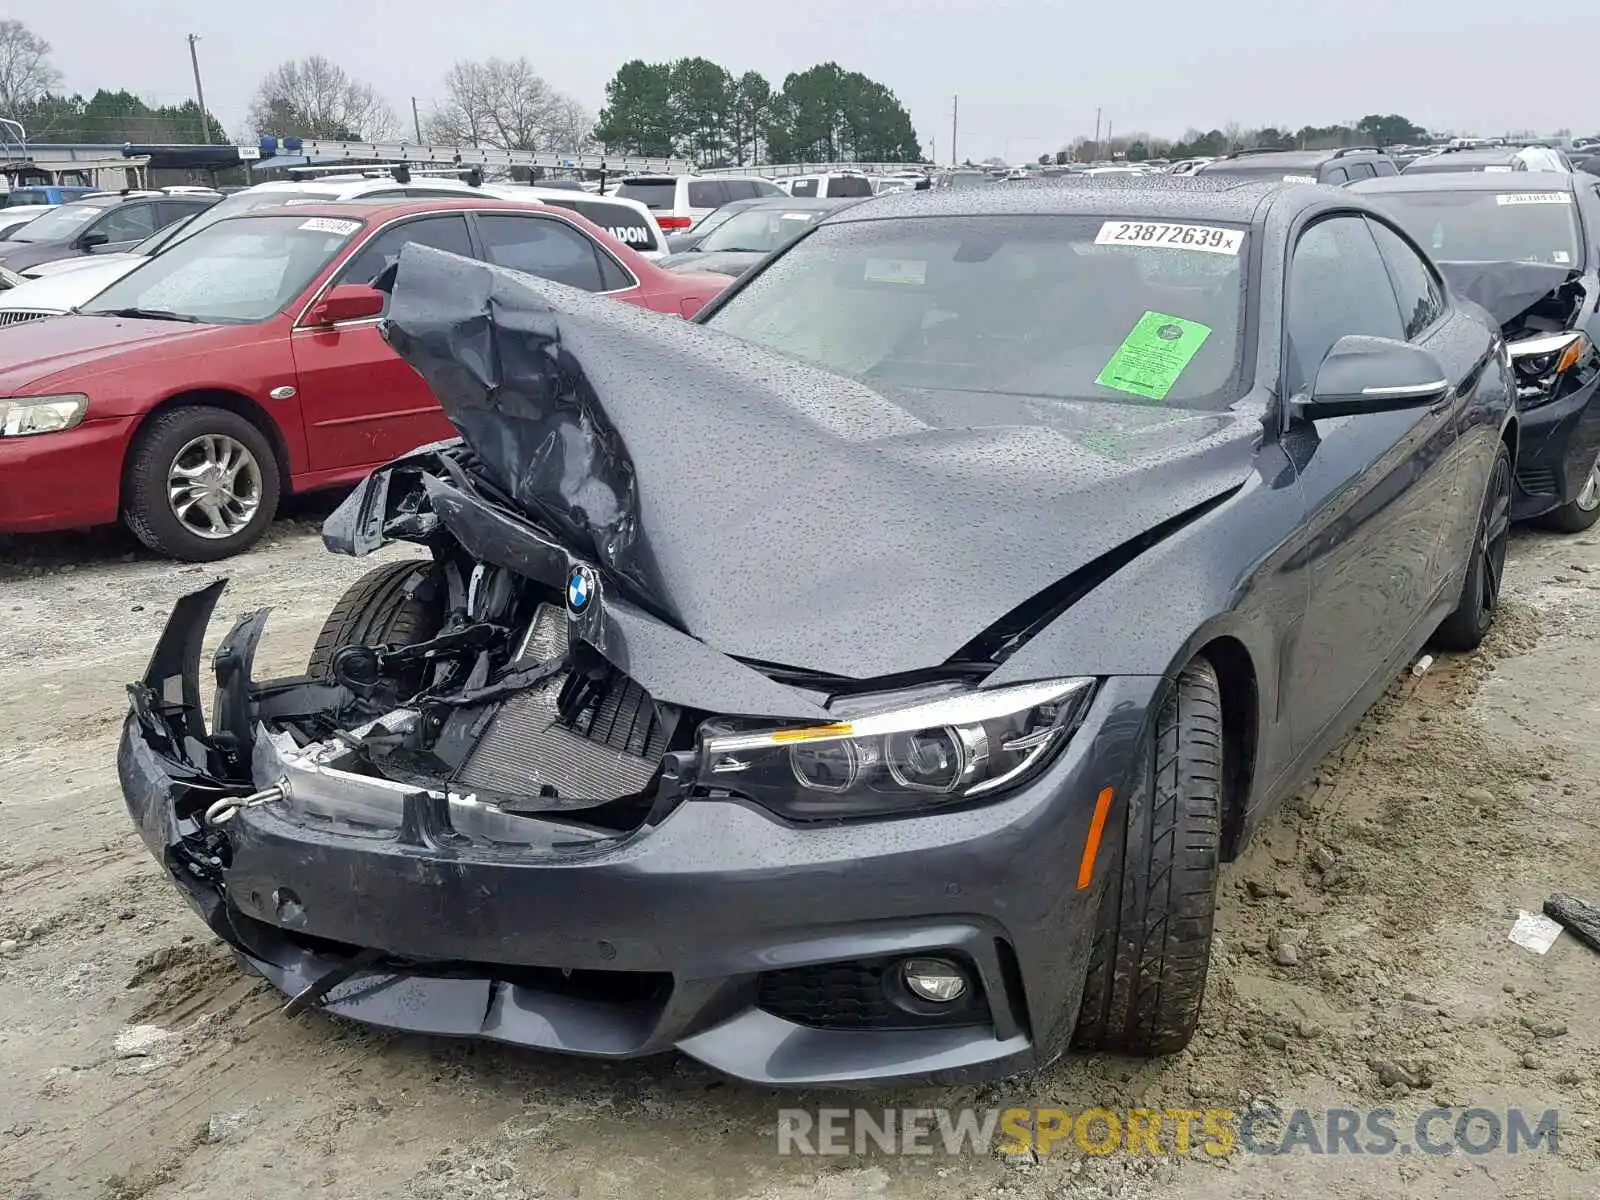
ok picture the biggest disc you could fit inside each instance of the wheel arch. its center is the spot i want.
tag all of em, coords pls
(234, 402)
(1238, 684)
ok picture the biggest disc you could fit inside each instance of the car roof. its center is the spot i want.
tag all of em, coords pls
(1169, 197)
(368, 212)
(1470, 181)
(1478, 154)
(800, 203)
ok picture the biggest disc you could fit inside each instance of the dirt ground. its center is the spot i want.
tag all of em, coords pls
(138, 1060)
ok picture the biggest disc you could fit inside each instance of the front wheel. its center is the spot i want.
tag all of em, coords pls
(201, 484)
(1465, 628)
(1152, 944)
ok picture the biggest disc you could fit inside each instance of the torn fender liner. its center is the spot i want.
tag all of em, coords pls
(1506, 289)
(774, 511)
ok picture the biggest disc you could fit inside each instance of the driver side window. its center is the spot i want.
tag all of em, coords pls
(442, 233)
(1338, 285)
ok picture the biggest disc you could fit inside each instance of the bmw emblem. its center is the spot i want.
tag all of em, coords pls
(581, 589)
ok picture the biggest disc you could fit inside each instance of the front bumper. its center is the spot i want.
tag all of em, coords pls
(664, 938)
(1557, 449)
(66, 480)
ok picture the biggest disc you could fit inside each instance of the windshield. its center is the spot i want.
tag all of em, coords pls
(231, 206)
(17, 197)
(760, 230)
(1053, 307)
(1474, 226)
(59, 223)
(243, 270)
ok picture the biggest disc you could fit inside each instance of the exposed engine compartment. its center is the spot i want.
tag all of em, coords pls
(1554, 312)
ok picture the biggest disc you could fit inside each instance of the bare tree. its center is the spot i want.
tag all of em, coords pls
(505, 104)
(316, 98)
(26, 73)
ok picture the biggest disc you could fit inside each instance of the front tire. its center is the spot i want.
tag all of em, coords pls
(1152, 944)
(200, 484)
(1466, 627)
(392, 605)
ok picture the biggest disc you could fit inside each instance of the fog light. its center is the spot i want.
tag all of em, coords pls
(933, 979)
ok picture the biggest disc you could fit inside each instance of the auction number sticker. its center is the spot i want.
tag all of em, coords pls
(1209, 238)
(330, 225)
(896, 270)
(1533, 198)
(1299, 178)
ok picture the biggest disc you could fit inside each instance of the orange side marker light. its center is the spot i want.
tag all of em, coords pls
(1091, 844)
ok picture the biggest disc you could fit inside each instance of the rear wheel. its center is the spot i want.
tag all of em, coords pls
(201, 484)
(392, 605)
(1465, 628)
(1583, 510)
(1152, 944)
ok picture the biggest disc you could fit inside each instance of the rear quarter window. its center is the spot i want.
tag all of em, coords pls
(625, 224)
(658, 194)
(708, 194)
(851, 185)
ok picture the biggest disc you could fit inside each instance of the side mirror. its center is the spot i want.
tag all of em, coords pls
(347, 302)
(95, 237)
(1372, 374)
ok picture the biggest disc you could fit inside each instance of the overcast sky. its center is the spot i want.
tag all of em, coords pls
(1030, 73)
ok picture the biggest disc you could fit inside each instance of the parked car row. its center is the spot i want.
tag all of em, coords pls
(866, 681)
(203, 377)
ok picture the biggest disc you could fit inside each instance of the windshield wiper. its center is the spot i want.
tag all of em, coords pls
(144, 314)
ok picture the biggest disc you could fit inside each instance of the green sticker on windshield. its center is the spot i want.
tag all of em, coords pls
(1152, 357)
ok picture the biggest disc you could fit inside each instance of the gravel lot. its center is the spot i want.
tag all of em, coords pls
(140, 1061)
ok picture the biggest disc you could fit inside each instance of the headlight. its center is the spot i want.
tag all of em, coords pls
(1542, 361)
(892, 755)
(40, 414)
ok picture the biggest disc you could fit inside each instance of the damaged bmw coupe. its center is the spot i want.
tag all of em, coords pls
(1524, 247)
(865, 682)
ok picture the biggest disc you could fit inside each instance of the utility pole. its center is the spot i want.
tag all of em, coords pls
(955, 111)
(1096, 153)
(199, 92)
(1110, 152)
(416, 120)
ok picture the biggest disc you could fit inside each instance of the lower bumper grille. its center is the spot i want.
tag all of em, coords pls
(1537, 481)
(612, 750)
(856, 995)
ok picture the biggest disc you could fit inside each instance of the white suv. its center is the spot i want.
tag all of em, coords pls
(829, 186)
(678, 201)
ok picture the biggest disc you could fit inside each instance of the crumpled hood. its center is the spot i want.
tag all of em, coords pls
(777, 512)
(37, 350)
(1505, 289)
(721, 262)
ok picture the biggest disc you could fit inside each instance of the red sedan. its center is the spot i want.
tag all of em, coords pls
(245, 361)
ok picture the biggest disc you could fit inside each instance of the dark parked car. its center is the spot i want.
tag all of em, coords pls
(677, 243)
(109, 222)
(884, 704)
(1524, 246)
(1336, 167)
(738, 244)
(1491, 159)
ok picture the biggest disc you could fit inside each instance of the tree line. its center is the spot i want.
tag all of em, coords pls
(1372, 130)
(692, 108)
(699, 110)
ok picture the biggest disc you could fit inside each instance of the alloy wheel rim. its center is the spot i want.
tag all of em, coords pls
(214, 486)
(1588, 498)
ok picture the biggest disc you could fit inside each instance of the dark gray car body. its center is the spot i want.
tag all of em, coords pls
(18, 255)
(736, 262)
(775, 540)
